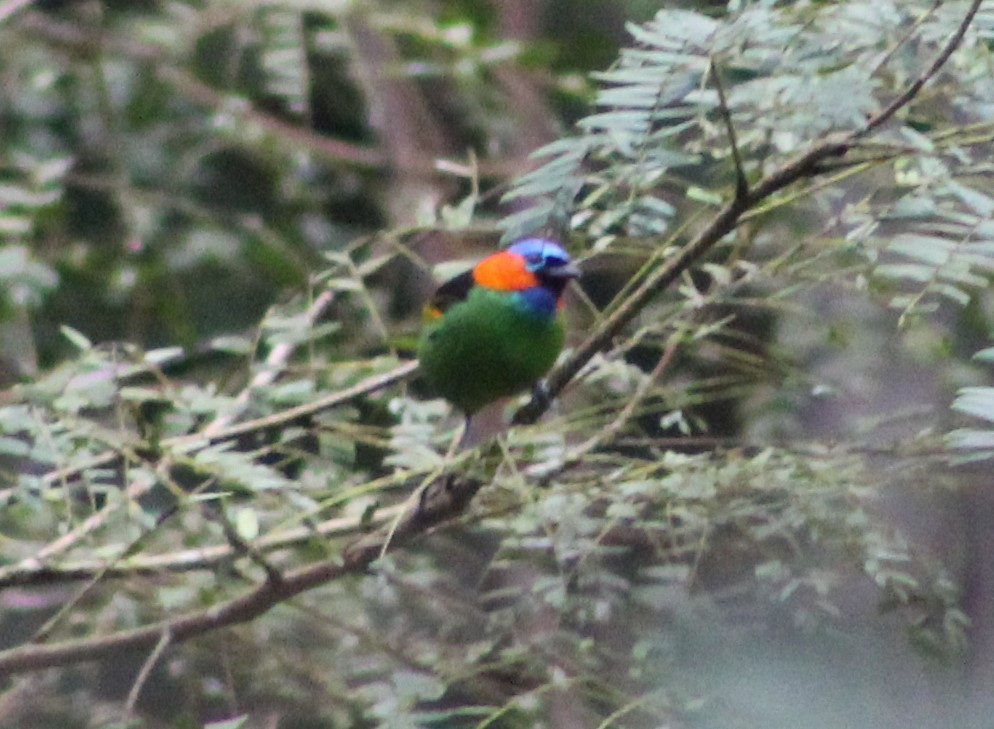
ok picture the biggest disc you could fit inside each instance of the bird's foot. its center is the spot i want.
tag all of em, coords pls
(540, 394)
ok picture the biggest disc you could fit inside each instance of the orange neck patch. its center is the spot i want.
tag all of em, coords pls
(504, 271)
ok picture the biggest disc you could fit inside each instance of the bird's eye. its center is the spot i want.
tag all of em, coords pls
(534, 260)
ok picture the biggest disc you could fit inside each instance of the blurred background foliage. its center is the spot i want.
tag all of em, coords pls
(743, 514)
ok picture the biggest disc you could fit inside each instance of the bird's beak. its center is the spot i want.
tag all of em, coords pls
(566, 271)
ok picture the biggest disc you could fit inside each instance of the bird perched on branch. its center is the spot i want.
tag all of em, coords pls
(495, 330)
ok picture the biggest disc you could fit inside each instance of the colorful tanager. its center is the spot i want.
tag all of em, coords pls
(495, 330)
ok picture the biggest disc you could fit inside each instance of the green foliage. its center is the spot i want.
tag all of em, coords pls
(977, 402)
(29, 191)
(284, 58)
(171, 172)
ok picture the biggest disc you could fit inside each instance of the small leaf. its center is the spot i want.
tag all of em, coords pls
(13, 447)
(233, 344)
(233, 723)
(976, 401)
(162, 355)
(76, 338)
(699, 194)
(247, 523)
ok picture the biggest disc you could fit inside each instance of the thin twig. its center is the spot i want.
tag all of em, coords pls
(146, 670)
(741, 183)
(611, 431)
(197, 441)
(274, 365)
(916, 86)
(243, 546)
(369, 385)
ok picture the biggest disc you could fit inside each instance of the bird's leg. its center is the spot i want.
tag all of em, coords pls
(454, 445)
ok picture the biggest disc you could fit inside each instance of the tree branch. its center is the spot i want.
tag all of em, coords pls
(35, 570)
(197, 441)
(915, 86)
(79, 40)
(444, 498)
(804, 166)
(31, 573)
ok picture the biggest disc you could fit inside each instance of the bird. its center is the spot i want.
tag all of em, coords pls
(496, 330)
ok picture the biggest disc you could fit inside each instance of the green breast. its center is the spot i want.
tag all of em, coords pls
(486, 348)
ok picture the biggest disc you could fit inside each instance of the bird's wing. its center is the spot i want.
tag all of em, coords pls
(451, 292)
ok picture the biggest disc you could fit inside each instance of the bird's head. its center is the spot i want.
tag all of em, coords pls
(527, 264)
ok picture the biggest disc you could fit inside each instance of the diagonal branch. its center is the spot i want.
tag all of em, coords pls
(805, 166)
(78, 40)
(904, 98)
